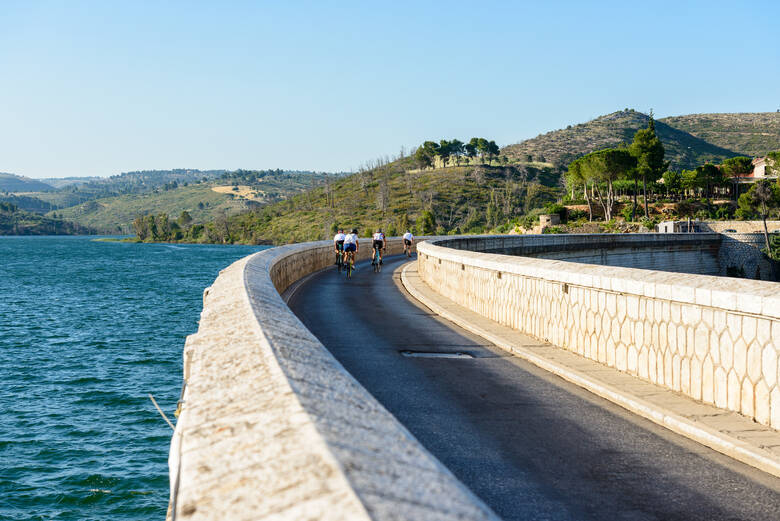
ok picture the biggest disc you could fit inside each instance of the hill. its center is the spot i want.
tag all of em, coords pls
(394, 196)
(748, 133)
(16, 183)
(561, 147)
(14, 221)
(204, 200)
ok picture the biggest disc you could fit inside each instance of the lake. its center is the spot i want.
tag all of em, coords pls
(87, 330)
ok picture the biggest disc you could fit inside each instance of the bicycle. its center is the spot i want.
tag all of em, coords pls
(340, 260)
(376, 260)
(349, 265)
(408, 250)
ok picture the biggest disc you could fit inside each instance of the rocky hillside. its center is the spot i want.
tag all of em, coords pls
(747, 133)
(560, 147)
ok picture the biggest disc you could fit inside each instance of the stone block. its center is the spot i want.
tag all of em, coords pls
(695, 378)
(621, 356)
(774, 404)
(632, 359)
(749, 327)
(769, 365)
(721, 388)
(734, 392)
(740, 358)
(764, 331)
(685, 376)
(701, 341)
(707, 381)
(677, 372)
(762, 405)
(754, 362)
(748, 399)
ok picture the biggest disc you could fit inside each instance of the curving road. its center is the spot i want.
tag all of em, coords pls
(531, 445)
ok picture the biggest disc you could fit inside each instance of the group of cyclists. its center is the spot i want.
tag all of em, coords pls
(346, 246)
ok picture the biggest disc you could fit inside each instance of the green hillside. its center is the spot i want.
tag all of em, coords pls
(14, 221)
(15, 183)
(394, 196)
(748, 133)
(560, 147)
(204, 201)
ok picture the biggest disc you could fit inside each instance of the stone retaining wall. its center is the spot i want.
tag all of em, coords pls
(714, 339)
(742, 251)
(273, 427)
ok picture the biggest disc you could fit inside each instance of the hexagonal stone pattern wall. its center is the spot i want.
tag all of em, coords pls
(714, 339)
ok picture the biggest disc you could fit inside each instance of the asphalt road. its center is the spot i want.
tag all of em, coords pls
(530, 444)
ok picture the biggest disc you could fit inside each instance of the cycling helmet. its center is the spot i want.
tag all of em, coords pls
(354, 230)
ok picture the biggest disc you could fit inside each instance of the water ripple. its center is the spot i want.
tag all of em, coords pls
(87, 329)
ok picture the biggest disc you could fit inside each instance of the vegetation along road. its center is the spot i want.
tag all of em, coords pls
(531, 445)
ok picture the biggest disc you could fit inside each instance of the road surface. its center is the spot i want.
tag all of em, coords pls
(530, 444)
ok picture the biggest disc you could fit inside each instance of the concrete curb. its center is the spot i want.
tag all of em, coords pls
(717, 440)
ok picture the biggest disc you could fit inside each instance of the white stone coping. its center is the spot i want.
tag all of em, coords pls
(752, 297)
(273, 427)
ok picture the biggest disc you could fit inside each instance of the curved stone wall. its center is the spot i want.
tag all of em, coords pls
(271, 426)
(714, 339)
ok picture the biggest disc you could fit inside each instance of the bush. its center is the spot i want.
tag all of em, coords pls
(553, 229)
(553, 208)
(628, 211)
(576, 215)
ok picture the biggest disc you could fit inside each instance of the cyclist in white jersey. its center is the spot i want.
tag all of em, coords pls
(408, 241)
(378, 246)
(351, 245)
(338, 242)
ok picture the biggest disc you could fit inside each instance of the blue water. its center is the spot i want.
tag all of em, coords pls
(87, 329)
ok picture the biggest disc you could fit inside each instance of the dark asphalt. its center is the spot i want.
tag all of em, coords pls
(530, 444)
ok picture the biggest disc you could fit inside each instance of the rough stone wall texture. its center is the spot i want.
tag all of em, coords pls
(739, 226)
(714, 339)
(272, 427)
(743, 251)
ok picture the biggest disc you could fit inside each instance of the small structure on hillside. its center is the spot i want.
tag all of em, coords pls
(678, 227)
(551, 219)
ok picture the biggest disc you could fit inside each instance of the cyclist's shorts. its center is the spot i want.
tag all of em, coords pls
(379, 244)
(407, 242)
(339, 245)
(350, 247)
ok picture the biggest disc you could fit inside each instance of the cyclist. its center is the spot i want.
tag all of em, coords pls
(408, 241)
(338, 245)
(378, 245)
(351, 246)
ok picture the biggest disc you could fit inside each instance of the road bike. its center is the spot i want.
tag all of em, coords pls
(340, 260)
(376, 260)
(349, 263)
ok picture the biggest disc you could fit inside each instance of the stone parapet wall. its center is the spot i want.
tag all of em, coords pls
(273, 427)
(714, 339)
(738, 226)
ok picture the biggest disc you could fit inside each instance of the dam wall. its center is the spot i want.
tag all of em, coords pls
(271, 426)
(715, 339)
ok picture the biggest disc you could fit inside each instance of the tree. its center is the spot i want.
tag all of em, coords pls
(575, 177)
(672, 182)
(649, 153)
(604, 168)
(735, 167)
(763, 199)
(492, 150)
(444, 151)
(425, 154)
(691, 181)
(709, 176)
(457, 149)
(471, 148)
(184, 219)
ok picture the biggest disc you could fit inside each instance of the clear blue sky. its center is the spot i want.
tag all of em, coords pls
(97, 88)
